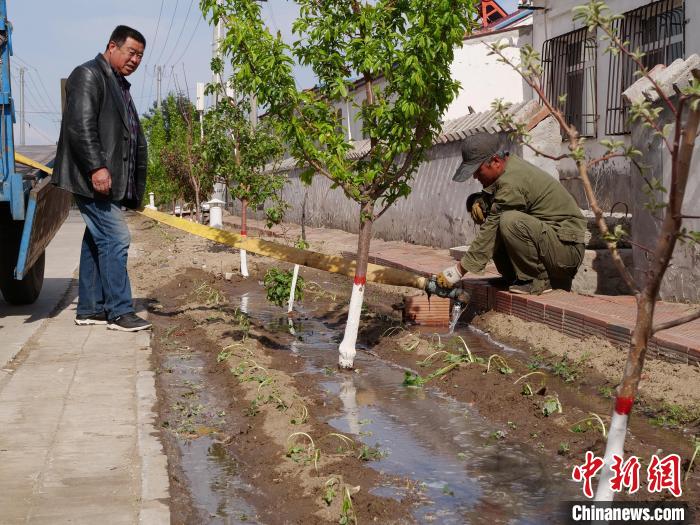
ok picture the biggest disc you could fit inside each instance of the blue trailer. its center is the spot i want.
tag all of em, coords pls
(31, 208)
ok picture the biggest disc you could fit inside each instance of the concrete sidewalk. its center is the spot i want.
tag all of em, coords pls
(608, 317)
(19, 323)
(77, 437)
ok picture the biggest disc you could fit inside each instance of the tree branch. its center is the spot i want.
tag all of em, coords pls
(541, 153)
(574, 144)
(620, 45)
(384, 209)
(676, 322)
(605, 158)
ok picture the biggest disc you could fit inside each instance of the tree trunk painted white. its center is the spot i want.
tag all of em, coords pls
(614, 447)
(295, 276)
(347, 346)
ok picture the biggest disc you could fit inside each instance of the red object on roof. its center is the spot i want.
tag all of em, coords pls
(490, 12)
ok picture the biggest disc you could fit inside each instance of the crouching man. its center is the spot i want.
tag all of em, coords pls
(530, 225)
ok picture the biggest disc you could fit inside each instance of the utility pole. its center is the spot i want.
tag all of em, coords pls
(21, 106)
(200, 108)
(159, 80)
(254, 111)
(216, 53)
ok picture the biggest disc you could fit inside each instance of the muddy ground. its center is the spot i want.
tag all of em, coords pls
(261, 427)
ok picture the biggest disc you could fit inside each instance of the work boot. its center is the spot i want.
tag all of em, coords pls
(534, 287)
(90, 319)
(128, 323)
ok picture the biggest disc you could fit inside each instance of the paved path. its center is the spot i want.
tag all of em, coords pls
(18, 323)
(609, 317)
(77, 436)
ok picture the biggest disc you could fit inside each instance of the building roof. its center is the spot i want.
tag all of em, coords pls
(452, 130)
(671, 79)
(515, 18)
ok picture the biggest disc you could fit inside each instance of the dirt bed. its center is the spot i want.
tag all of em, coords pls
(260, 427)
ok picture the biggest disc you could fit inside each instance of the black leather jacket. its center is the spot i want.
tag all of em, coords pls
(95, 134)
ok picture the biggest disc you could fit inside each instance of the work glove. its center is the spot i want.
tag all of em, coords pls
(450, 276)
(477, 208)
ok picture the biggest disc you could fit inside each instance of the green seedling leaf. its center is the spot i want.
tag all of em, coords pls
(278, 284)
(412, 380)
(447, 491)
(551, 406)
(329, 495)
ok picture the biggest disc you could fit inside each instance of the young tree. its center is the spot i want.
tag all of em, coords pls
(402, 51)
(238, 152)
(679, 141)
(165, 188)
(182, 155)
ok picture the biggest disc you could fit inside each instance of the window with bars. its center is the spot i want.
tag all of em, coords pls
(569, 78)
(657, 30)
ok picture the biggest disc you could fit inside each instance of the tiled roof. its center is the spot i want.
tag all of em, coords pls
(671, 79)
(452, 130)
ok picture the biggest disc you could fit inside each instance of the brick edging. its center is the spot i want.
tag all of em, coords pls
(572, 322)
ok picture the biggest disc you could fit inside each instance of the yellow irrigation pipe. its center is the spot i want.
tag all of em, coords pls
(34, 164)
(329, 263)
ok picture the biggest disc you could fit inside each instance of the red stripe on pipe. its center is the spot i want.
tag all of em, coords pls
(623, 405)
(244, 233)
(360, 280)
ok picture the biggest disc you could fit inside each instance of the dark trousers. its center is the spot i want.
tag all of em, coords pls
(527, 248)
(103, 283)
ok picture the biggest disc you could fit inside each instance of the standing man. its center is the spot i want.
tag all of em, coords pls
(531, 226)
(101, 159)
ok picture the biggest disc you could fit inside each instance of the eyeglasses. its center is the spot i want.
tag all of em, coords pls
(131, 52)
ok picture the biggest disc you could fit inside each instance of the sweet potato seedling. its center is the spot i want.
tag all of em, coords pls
(551, 406)
(587, 423)
(498, 360)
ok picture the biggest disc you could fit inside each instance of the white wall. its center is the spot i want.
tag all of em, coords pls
(483, 78)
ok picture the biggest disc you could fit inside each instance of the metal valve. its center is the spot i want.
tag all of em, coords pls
(458, 295)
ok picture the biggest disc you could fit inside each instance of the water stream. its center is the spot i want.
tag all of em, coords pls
(444, 447)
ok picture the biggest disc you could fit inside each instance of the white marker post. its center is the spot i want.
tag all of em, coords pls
(295, 277)
(244, 234)
(152, 200)
(216, 213)
(290, 305)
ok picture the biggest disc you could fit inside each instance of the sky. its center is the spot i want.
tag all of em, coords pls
(51, 37)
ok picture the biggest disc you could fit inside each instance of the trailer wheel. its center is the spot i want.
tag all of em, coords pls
(27, 290)
(16, 292)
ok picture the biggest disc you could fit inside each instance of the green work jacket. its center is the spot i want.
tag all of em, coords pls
(528, 189)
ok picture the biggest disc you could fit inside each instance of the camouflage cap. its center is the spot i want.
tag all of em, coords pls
(476, 150)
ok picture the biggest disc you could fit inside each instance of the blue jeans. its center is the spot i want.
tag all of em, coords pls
(103, 283)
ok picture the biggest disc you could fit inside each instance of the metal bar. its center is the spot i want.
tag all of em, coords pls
(569, 75)
(658, 30)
